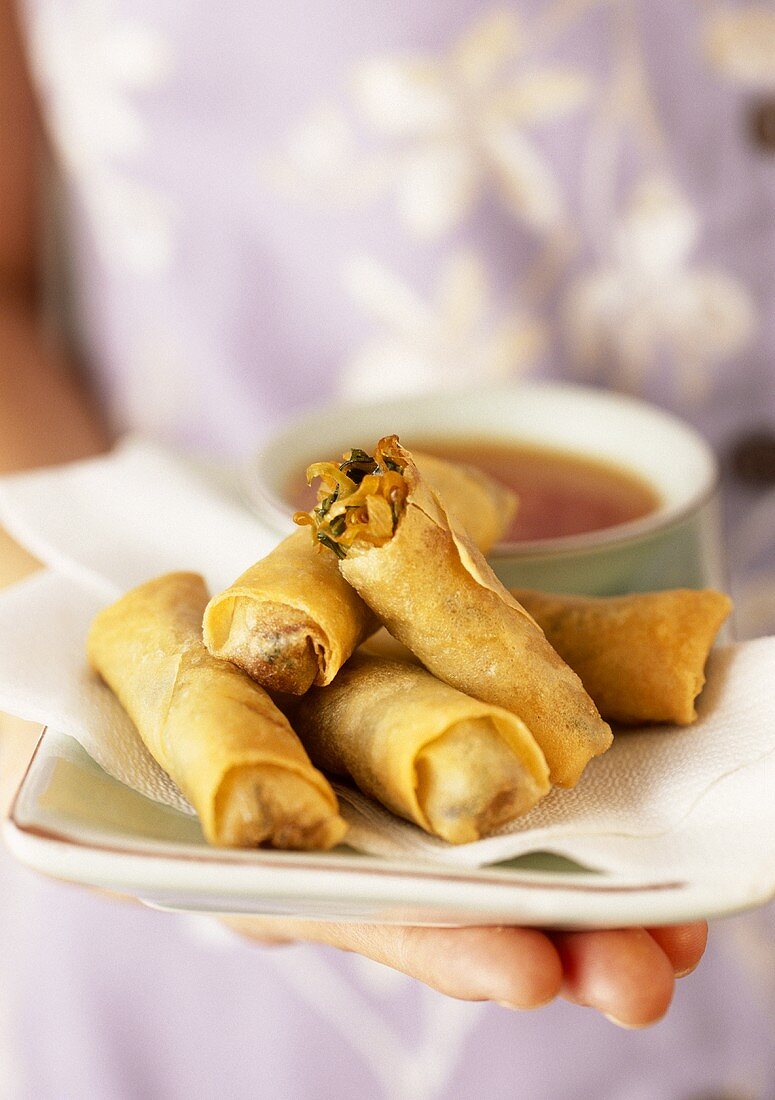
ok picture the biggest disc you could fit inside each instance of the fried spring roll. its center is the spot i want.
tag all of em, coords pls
(218, 735)
(291, 620)
(434, 592)
(641, 657)
(456, 767)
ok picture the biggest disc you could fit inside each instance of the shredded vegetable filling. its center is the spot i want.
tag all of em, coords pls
(360, 500)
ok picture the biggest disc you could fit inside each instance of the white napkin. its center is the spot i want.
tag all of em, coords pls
(695, 802)
(141, 511)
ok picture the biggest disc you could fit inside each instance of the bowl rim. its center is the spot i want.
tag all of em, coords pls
(274, 510)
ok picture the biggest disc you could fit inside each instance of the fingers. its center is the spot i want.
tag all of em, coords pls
(684, 945)
(517, 967)
(627, 974)
(272, 931)
(623, 973)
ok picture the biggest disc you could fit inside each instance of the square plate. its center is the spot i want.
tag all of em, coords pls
(73, 821)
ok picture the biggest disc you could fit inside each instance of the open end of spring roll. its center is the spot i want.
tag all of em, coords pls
(455, 766)
(278, 646)
(435, 593)
(290, 621)
(469, 782)
(642, 656)
(251, 809)
(217, 734)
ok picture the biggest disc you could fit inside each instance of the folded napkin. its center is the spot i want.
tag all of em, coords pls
(115, 521)
(694, 802)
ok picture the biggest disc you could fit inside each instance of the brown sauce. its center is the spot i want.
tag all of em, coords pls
(560, 493)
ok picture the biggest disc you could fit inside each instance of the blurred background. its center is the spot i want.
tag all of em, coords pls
(214, 218)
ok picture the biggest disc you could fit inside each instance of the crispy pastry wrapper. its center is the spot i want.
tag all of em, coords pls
(641, 657)
(455, 766)
(478, 504)
(291, 621)
(433, 590)
(385, 645)
(218, 735)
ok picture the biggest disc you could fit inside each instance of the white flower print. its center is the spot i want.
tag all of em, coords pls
(740, 43)
(648, 301)
(320, 160)
(460, 121)
(457, 338)
(89, 62)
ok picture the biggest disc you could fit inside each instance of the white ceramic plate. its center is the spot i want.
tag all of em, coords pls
(73, 821)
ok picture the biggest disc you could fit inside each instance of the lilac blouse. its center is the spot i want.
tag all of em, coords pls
(268, 204)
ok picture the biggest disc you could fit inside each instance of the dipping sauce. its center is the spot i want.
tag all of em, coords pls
(560, 493)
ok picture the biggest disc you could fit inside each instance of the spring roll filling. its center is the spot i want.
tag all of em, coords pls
(275, 644)
(360, 500)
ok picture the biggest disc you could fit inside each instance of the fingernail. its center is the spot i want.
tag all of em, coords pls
(621, 1023)
(685, 973)
(525, 1008)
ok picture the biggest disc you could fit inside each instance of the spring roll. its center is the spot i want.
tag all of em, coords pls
(217, 734)
(433, 590)
(641, 657)
(291, 620)
(456, 767)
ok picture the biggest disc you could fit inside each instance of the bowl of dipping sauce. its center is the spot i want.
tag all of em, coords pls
(615, 495)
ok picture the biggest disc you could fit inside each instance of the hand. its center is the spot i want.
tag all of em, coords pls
(627, 974)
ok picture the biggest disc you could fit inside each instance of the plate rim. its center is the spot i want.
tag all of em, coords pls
(153, 870)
